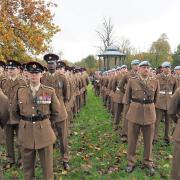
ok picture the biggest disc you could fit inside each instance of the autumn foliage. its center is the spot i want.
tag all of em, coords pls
(26, 28)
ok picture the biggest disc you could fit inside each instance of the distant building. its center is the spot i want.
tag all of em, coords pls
(111, 58)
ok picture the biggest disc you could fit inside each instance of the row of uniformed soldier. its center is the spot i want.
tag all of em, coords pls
(140, 98)
(40, 105)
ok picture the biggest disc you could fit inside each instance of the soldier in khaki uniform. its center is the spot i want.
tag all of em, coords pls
(4, 116)
(174, 111)
(141, 94)
(4, 113)
(2, 66)
(37, 106)
(177, 75)
(96, 83)
(168, 84)
(58, 81)
(118, 96)
(85, 83)
(9, 86)
(122, 88)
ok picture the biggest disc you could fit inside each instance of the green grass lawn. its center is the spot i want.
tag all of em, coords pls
(96, 151)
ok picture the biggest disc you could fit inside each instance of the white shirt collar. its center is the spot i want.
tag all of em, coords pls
(36, 88)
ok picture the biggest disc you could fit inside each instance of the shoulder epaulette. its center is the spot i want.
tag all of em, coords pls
(20, 87)
(48, 87)
(4, 78)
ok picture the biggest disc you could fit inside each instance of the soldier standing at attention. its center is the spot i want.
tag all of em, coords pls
(168, 85)
(174, 112)
(141, 94)
(9, 86)
(59, 82)
(2, 66)
(177, 75)
(37, 106)
(4, 116)
(122, 88)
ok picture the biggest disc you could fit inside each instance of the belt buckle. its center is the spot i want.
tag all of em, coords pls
(32, 120)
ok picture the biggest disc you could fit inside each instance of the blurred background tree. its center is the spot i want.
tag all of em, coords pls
(26, 28)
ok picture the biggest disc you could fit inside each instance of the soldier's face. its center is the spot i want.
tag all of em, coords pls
(13, 72)
(35, 77)
(144, 70)
(177, 72)
(124, 70)
(51, 67)
(166, 70)
(135, 67)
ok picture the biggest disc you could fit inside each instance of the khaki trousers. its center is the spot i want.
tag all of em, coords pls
(175, 171)
(118, 108)
(63, 139)
(159, 115)
(46, 160)
(125, 121)
(133, 133)
(2, 136)
(10, 129)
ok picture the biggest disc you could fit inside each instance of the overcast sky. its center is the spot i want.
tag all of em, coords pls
(140, 21)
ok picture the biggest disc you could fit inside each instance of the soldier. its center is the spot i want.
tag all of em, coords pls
(2, 66)
(96, 83)
(4, 114)
(168, 85)
(36, 106)
(118, 95)
(9, 86)
(85, 80)
(122, 88)
(174, 112)
(177, 75)
(58, 81)
(141, 94)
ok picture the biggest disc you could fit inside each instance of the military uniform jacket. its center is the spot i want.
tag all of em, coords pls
(140, 113)
(118, 95)
(174, 109)
(168, 85)
(9, 88)
(4, 113)
(178, 81)
(59, 83)
(39, 134)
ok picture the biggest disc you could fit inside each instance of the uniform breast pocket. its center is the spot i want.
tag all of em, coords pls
(44, 108)
(22, 102)
(137, 92)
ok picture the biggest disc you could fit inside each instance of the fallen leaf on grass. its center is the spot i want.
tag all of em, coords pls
(64, 172)
(166, 166)
(15, 175)
(86, 158)
(169, 157)
(113, 169)
(97, 148)
(91, 146)
(86, 167)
